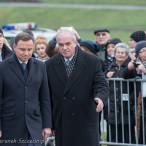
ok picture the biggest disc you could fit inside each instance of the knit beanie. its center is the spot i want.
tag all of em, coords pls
(92, 46)
(113, 41)
(139, 46)
(1, 31)
(138, 36)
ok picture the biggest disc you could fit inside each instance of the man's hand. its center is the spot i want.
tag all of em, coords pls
(0, 133)
(100, 104)
(46, 132)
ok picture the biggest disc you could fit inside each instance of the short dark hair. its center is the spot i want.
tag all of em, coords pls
(24, 37)
(28, 31)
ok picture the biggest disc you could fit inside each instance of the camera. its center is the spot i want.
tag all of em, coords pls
(135, 65)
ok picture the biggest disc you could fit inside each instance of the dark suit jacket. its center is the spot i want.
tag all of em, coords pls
(24, 106)
(74, 110)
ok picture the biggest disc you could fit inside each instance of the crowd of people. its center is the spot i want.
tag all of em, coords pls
(67, 76)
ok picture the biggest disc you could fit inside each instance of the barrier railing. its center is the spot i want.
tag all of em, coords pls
(129, 94)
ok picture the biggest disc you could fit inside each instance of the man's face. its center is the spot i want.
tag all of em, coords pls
(102, 37)
(24, 50)
(1, 41)
(66, 45)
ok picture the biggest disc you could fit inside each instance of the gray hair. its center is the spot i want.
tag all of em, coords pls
(122, 45)
(64, 31)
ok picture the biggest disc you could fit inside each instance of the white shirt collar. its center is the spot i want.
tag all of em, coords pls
(69, 58)
(23, 62)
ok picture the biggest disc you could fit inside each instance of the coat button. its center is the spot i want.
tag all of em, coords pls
(73, 98)
(73, 114)
(64, 98)
(26, 101)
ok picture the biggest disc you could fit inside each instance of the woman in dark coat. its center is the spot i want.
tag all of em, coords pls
(138, 68)
(109, 52)
(115, 70)
(5, 51)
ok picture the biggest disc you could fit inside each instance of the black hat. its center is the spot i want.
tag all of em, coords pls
(138, 36)
(101, 29)
(1, 31)
(139, 46)
(92, 46)
(113, 41)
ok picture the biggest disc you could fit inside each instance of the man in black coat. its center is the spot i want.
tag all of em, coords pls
(78, 92)
(25, 115)
(5, 52)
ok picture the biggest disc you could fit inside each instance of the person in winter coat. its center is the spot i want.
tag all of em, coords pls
(134, 69)
(115, 70)
(135, 37)
(25, 113)
(109, 52)
(102, 35)
(5, 52)
(40, 48)
(79, 92)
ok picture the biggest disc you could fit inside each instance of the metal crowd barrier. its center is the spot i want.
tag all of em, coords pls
(104, 130)
(104, 141)
(50, 141)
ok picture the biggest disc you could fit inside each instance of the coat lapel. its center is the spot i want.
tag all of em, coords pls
(14, 66)
(32, 65)
(60, 69)
(78, 68)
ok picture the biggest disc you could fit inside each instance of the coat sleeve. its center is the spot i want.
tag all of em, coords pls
(100, 85)
(129, 74)
(51, 100)
(1, 92)
(45, 101)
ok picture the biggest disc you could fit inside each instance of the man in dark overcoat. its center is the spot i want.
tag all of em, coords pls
(78, 92)
(25, 113)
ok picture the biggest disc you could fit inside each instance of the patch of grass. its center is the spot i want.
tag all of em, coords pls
(121, 22)
(112, 2)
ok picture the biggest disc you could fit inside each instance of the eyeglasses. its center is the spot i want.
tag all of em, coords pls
(122, 53)
(143, 51)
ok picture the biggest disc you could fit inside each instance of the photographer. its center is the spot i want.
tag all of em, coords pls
(134, 69)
